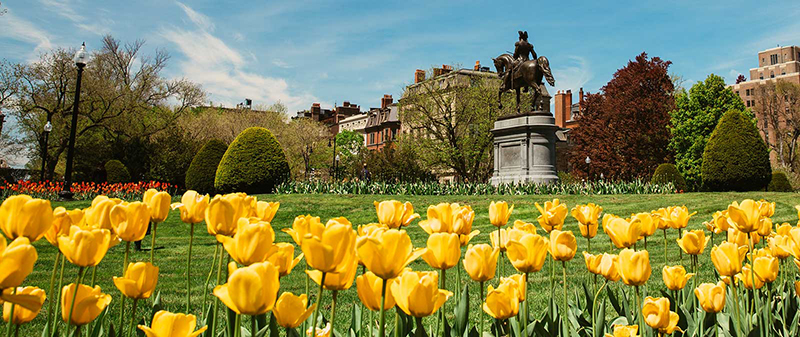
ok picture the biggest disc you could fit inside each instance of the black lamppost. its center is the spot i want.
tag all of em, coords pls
(47, 128)
(335, 156)
(2, 120)
(80, 62)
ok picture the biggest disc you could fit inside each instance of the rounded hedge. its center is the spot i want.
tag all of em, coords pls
(779, 183)
(253, 163)
(202, 171)
(735, 157)
(116, 172)
(668, 173)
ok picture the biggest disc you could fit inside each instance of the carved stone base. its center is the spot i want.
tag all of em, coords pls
(525, 149)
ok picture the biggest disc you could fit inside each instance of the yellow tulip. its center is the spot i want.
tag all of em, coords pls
(130, 221)
(634, 267)
(313, 331)
(265, 211)
(783, 229)
(675, 277)
(463, 215)
(192, 207)
(99, 214)
(562, 245)
(480, 262)
(764, 227)
(745, 216)
(251, 290)
(291, 310)
(527, 254)
(167, 324)
(395, 214)
(139, 281)
(501, 242)
(797, 288)
(721, 221)
(552, 215)
(23, 216)
(766, 208)
(609, 267)
(242, 204)
(747, 278)
(503, 302)
(592, 262)
(499, 212)
(693, 242)
(625, 331)
(62, 221)
(85, 248)
(252, 242)
(221, 217)
(387, 253)
(16, 261)
(89, 303)
(727, 258)
(35, 299)
(370, 287)
(678, 217)
(282, 257)
(304, 225)
(587, 216)
(711, 296)
(418, 294)
(519, 281)
(766, 268)
(780, 246)
(656, 312)
(444, 251)
(624, 233)
(440, 219)
(158, 204)
(329, 252)
(660, 218)
(647, 224)
(337, 281)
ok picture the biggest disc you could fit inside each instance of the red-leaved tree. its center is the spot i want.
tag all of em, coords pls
(623, 129)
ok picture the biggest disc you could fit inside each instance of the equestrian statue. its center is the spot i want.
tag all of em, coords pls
(520, 72)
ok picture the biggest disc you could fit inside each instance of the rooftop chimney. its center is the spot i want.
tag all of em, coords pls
(386, 101)
(419, 75)
(477, 65)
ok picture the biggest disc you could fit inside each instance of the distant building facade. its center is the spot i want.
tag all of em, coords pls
(566, 112)
(330, 117)
(780, 63)
(383, 124)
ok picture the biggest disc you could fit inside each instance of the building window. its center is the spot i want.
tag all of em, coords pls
(771, 74)
(753, 104)
(747, 92)
(737, 92)
(748, 103)
(773, 59)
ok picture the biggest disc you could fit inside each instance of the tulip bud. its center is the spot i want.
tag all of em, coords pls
(418, 293)
(727, 258)
(139, 281)
(592, 262)
(527, 254)
(158, 204)
(480, 262)
(90, 300)
(587, 219)
(624, 233)
(562, 245)
(499, 212)
(745, 216)
(167, 324)
(291, 311)
(305, 225)
(23, 216)
(130, 221)
(85, 248)
(552, 215)
(634, 267)
(609, 267)
(370, 287)
(693, 242)
(34, 298)
(387, 253)
(250, 290)
(675, 277)
(395, 214)
(252, 242)
(503, 302)
(265, 211)
(711, 296)
(444, 251)
(282, 257)
(192, 207)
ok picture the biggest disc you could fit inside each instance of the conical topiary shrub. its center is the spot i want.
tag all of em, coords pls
(253, 163)
(203, 170)
(735, 157)
(668, 173)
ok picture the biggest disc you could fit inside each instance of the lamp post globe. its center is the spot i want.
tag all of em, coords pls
(80, 62)
(45, 135)
(587, 160)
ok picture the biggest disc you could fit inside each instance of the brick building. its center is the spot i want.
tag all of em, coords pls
(382, 125)
(330, 117)
(565, 111)
(780, 63)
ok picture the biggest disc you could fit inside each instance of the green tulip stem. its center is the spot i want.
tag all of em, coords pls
(72, 304)
(418, 320)
(125, 260)
(481, 312)
(319, 304)
(594, 306)
(16, 330)
(753, 277)
(382, 324)
(254, 327)
(441, 312)
(589, 244)
(396, 321)
(645, 243)
(237, 325)
(680, 251)
(216, 301)
(639, 307)
(334, 295)
(11, 315)
(52, 284)
(60, 287)
(527, 302)
(189, 268)
(211, 272)
(552, 277)
(132, 329)
(94, 275)
(305, 323)
(153, 241)
(564, 269)
(665, 246)
(122, 298)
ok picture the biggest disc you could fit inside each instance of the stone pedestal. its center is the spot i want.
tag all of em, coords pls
(525, 148)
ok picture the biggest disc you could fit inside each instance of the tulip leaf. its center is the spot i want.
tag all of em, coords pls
(600, 320)
(157, 306)
(46, 330)
(261, 321)
(207, 321)
(473, 332)
(97, 331)
(587, 294)
(462, 312)
(231, 328)
(514, 325)
(614, 302)
(355, 321)
(447, 329)
(289, 333)
(273, 326)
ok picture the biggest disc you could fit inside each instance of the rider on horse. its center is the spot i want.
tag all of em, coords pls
(522, 49)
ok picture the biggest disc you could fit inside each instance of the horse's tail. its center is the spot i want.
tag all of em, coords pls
(545, 65)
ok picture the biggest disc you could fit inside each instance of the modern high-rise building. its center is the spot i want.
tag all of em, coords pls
(780, 63)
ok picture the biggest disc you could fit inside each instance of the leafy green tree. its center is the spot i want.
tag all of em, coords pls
(736, 157)
(349, 148)
(695, 116)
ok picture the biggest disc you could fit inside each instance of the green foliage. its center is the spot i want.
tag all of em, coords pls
(435, 188)
(253, 163)
(203, 169)
(351, 151)
(397, 162)
(695, 116)
(779, 183)
(668, 173)
(735, 157)
(116, 172)
(172, 152)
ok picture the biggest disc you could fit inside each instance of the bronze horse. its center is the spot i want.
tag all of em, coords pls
(528, 74)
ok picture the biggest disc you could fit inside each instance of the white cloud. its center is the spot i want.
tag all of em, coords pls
(202, 21)
(67, 10)
(571, 75)
(281, 64)
(22, 30)
(239, 37)
(223, 70)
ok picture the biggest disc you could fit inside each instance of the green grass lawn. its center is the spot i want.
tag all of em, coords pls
(172, 245)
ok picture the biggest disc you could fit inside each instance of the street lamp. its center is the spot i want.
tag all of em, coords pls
(80, 62)
(47, 128)
(335, 156)
(587, 160)
(2, 119)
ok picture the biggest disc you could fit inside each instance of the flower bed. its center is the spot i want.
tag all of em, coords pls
(83, 190)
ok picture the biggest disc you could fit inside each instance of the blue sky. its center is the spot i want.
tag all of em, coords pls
(299, 52)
